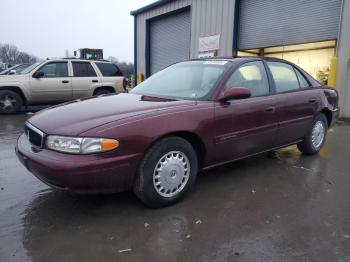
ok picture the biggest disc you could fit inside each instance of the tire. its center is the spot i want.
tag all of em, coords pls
(102, 92)
(171, 155)
(316, 137)
(10, 102)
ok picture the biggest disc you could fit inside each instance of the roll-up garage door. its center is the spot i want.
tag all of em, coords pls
(169, 40)
(266, 23)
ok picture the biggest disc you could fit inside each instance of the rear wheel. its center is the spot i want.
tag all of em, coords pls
(314, 140)
(10, 102)
(167, 172)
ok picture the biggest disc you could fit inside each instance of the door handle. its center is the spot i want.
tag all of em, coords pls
(65, 81)
(95, 81)
(270, 109)
(312, 100)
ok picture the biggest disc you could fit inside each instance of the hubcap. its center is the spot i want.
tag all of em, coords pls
(7, 102)
(171, 174)
(318, 134)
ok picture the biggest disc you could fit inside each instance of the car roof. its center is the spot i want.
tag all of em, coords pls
(235, 58)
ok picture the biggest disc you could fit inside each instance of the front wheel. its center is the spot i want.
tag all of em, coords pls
(167, 172)
(10, 102)
(316, 137)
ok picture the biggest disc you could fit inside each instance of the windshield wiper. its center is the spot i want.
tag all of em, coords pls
(157, 99)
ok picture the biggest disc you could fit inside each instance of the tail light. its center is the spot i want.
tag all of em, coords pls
(125, 83)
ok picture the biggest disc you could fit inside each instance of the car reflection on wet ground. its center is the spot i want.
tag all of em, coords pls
(279, 206)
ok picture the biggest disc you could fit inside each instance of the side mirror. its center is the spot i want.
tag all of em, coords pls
(12, 72)
(235, 93)
(38, 74)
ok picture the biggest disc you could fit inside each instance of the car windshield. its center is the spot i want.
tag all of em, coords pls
(20, 68)
(30, 68)
(6, 71)
(194, 80)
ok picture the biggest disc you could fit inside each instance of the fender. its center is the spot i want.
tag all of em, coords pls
(7, 82)
(117, 84)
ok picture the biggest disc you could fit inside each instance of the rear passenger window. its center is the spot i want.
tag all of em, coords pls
(83, 69)
(302, 81)
(251, 75)
(284, 76)
(109, 69)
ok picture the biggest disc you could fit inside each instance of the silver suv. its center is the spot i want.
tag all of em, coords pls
(56, 81)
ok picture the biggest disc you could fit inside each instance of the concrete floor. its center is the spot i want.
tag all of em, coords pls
(280, 206)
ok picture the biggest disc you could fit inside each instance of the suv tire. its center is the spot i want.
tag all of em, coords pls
(167, 172)
(316, 137)
(10, 102)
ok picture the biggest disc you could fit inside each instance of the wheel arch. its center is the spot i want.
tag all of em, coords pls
(109, 88)
(194, 139)
(15, 89)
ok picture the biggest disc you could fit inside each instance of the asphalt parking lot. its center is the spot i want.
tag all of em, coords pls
(279, 206)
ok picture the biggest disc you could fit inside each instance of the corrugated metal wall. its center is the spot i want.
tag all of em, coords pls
(208, 17)
(266, 23)
(211, 17)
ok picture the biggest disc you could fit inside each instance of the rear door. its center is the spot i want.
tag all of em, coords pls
(246, 126)
(84, 80)
(54, 86)
(112, 76)
(296, 102)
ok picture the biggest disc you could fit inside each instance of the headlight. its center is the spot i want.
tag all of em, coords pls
(79, 145)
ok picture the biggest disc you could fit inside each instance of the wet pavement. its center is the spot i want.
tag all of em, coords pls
(280, 206)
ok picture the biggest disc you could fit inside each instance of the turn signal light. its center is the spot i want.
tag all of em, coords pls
(109, 144)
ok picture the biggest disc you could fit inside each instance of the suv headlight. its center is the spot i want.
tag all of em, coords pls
(80, 145)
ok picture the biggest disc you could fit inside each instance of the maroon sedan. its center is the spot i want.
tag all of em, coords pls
(191, 116)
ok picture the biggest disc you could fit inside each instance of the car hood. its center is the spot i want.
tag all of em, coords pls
(75, 117)
(12, 78)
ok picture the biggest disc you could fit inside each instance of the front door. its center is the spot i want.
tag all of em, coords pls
(246, 126)
(54, 86)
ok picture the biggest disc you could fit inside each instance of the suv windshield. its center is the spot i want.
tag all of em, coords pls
(30, 68)
(188, 80)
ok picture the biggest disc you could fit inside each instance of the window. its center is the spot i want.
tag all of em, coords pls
(302, 81)
(20, 68)
(31, 68)
(83, 69)
(251, 75)
(59, 69)
(284, 76)
(109, 69)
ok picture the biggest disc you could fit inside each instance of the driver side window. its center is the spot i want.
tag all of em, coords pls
(250, 75)
(59, 69)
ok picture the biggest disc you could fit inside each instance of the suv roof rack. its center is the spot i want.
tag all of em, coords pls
(77, 58)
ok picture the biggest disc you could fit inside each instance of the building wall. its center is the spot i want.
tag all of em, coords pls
(209, 17)
(343, 54)
(212, 17)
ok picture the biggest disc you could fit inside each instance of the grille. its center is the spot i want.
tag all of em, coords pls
(35, 136)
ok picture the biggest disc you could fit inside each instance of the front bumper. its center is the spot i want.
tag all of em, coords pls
(86, 174)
